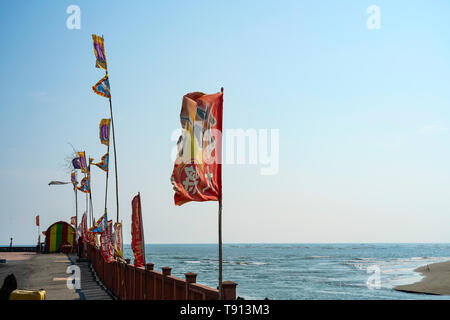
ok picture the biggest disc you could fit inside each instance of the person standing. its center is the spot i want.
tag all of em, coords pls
(10, 244)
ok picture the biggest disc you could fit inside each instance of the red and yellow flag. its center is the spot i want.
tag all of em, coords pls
(104, 131)
(99, 50)
(197, 174)
(137, 232)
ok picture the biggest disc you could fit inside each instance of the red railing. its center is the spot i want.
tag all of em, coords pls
(127, 282)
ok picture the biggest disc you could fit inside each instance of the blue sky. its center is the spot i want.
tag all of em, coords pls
(363, 115)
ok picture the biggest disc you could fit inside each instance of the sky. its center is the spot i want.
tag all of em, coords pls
(363, 115)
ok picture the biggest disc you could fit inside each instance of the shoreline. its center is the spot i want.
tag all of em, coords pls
(436, 280)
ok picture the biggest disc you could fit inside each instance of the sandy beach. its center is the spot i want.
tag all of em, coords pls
(436, 280)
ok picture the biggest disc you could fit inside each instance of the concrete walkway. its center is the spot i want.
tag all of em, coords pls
(48, 272)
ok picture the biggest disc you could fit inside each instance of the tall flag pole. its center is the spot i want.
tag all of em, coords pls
(104, 163)
(102, 88)
(90, 189)
(197, 173)
(73, 178)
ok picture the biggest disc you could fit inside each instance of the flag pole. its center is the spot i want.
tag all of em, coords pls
(115, 153)
(107, 175)
(87, 205)
(220, 227)
(76, 209)
(220, 248)
(90, 192)
(115, 158)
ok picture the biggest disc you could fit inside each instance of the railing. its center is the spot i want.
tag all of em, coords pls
(127, 282)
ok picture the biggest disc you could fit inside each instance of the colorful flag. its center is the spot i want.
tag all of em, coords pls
(105, 243)
(37, 221)
(104, 164)
(76, 163)
(100, 225)
(82, 161)
(117, 240)
(83, 227)
(197, 173)
(137, 232)
(104, 131)
(99, 50)
(84, 185)
(102, 87)
(73, 178)
(73, 220)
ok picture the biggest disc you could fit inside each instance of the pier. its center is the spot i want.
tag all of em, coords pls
(35, 271)
(100, 280)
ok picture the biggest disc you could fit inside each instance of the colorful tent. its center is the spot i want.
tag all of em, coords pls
(59, 233)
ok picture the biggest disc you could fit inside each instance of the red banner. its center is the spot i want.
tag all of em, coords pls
(37, 221)
(137, 232)
(197, 174)
(83, 227)
(105, 243)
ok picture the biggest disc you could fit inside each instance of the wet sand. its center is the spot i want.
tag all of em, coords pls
(436, 280)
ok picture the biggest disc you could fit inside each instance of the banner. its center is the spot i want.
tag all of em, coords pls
(100, 225)
(73, 179)
(37, 221)
(105, 243)
(137, 232)
(73, 221)
(82, 161)
(104, 164)
(76, 163)
(197, 173)
(102, 87)
(84, 185)
(84, 229)
(99, 50)
(104, 131)
(117, 240)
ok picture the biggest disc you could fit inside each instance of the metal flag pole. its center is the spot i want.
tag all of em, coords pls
(87, 205)
(76, 209)
(220, 248)
(220, 227)
(115, 159)
(90, 192)
(107, 175)
(114, 147)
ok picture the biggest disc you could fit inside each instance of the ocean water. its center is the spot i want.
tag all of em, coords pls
(303, 271)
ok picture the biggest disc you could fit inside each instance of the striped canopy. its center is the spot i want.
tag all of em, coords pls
(59, 233)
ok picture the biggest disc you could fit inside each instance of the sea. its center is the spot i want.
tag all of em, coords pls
(303, 271)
